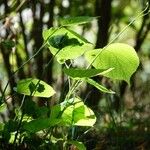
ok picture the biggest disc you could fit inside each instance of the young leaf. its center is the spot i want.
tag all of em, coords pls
(85, 73)
(78, 145)
(76, 20)
(74, 112)
(66, 44)
(34, 87)
(98, 86)
(119, 56)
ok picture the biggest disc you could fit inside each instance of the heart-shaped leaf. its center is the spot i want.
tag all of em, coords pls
(119, 56)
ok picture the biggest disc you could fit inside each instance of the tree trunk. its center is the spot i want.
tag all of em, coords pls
(103, 10)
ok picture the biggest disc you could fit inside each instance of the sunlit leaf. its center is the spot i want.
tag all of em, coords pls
(73, 112)
(48, 33)
(34, 87)
(119, 56)
(65, 43)
(85, 73)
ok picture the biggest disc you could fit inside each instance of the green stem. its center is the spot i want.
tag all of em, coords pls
(20, 122)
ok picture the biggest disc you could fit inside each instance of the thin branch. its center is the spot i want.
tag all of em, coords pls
(144, 29)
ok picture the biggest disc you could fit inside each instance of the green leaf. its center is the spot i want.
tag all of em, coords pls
(73, 112)
(8, 44)
(32, 109)
(1, 126)
(78, 145)
(98, 86)
(119, 56)
(85, 73)
(40, 124)
(34, 87)
(48, 33)
(76, 20)
(58, 41)
(3, 107)
(65, 43)
(56, 112)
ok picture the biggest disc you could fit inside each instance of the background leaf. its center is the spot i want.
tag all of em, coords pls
(119, 56)
(76, 20)
(3, 107)
(8, 44)
(77, 144)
